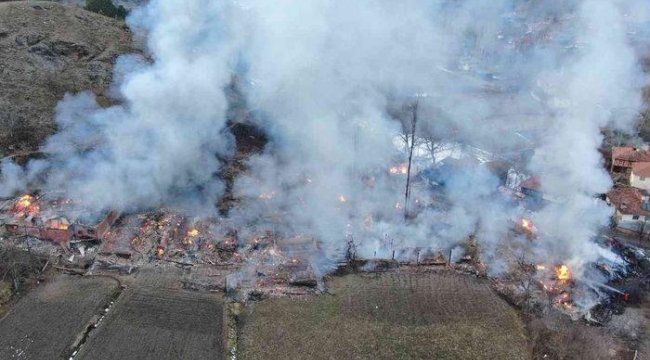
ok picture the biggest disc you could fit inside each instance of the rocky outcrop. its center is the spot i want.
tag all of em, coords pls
(46, 50)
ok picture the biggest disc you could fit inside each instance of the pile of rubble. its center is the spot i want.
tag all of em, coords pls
(267, 264)
(40, 216)
(605, 288)
(124, 242)
(257, 265)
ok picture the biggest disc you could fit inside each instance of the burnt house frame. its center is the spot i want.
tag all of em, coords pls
(65, 236)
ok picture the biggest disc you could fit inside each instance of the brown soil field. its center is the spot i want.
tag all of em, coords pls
(47, 321)
(436, 315)
(159, 323)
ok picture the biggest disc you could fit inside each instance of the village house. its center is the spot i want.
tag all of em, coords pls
(640, 175)
(632, 209)
(630, 164)
(532, 187)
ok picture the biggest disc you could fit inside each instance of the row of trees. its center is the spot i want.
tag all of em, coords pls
(107, 8)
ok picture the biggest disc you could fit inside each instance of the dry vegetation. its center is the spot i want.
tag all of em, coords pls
(390, 316)
(48, 320)
(19, 271)
(46, 50)
(556, 336)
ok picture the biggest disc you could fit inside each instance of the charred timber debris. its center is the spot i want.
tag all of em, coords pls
(217, 257)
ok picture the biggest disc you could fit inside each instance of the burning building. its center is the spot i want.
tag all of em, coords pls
(337, 119)
(44, 218)
(527, 227)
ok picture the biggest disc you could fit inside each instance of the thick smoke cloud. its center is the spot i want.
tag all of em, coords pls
(558, 73)
(599, 88)
(160, 144)
(333, 84)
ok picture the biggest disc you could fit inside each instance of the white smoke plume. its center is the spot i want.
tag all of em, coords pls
(333, 84)
(599, 88)
(161, 143)
(559, 73)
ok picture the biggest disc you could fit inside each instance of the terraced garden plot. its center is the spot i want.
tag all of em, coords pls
(159, 323)
(46, 322)
(440, 315)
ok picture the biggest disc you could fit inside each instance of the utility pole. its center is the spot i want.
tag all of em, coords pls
(407, 193)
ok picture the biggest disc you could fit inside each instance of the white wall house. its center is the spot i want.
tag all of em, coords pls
(636, 223)
(640, 176)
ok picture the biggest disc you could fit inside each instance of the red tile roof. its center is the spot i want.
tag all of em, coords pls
(641, 169)
(628, 200)
(533, 183)
(631, 154)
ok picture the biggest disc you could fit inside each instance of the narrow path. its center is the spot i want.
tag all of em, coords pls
(96, 320)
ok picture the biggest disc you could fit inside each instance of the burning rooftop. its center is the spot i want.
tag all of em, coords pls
(43, 217)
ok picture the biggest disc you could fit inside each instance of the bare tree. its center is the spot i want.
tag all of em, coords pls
(525, 275)
(17, 265)
(434, 146)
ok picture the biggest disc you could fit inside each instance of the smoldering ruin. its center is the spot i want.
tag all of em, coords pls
(266, 148)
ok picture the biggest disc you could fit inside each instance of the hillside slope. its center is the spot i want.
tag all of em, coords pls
(46, 50)
(128, 4)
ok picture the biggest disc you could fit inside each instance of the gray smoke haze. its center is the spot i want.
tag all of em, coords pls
(326, 81)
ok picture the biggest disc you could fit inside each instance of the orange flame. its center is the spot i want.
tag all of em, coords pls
(160, 252)
(25, 204)
(401, 169)
(60, 226)
(24, 201)
(193, 232)
(563, 273)
(528, 225)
